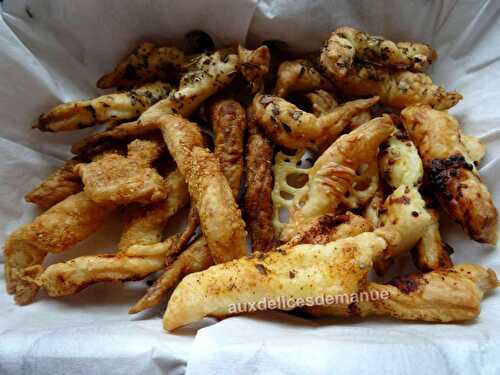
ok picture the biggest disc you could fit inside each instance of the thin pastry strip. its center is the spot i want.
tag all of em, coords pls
(145, 225)
(347, 43)
(450, 173)
(445, 295)
(228, 121)
(333, 172)
(299, 272)
(110, 108)
(220, 217)
(289, 126)
(59, 228)
(299, 76)
(146, 63)
(395, 88)
(57, 187)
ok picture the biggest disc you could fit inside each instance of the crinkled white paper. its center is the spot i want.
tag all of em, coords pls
(54, 51)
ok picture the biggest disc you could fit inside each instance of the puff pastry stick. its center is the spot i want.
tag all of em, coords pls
(333, 172)
(119, 180)
(228, 121)
(59, 228)
(220, 218)
(207, 75)
(299, 76)
(450, 173)
(259, 181)
(445, 295)
(111, 108)
(298, 272)
(146, 63)
(254, 65)
(57, 187)
(347, 43)
(289, 126)
(395, 88)
(144, 225)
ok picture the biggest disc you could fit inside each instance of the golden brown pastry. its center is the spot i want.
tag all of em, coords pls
(289, 126)
(144, 225)
(431, 253)
(322, 102)
(119, 180)
(404, 211)
(299, 76)
(110, 108)
(299, 272)
(70, 277)
(62, 226)
(146, 63)
(401, 166)
(228, 121)
(346, 43)
(333, 173)
(254, 65)
(220, 218)
(396, 88)
(207, 75)
(400, 163)
(330, 228)
(140, 251)
(258, 187)
(450, 172)
(195, 258)
(57, 187)
(446, 295)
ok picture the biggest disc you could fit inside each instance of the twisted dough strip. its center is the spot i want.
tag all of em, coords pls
(347, 43)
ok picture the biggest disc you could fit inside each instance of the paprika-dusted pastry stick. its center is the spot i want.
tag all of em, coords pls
(220, 218)
(299, 272)
(57, 187)
(450, 173)
(445, 295)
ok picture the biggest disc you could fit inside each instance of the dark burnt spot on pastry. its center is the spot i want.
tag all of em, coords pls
(407, 284)
(262, 270)
(441, 171)
(354, 309)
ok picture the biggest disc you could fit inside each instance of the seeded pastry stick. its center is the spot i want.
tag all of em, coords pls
(347, 43)
(147, 63)
(207, 75)
(111, 108)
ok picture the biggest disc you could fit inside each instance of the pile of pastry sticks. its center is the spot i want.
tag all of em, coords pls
(333, 164)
